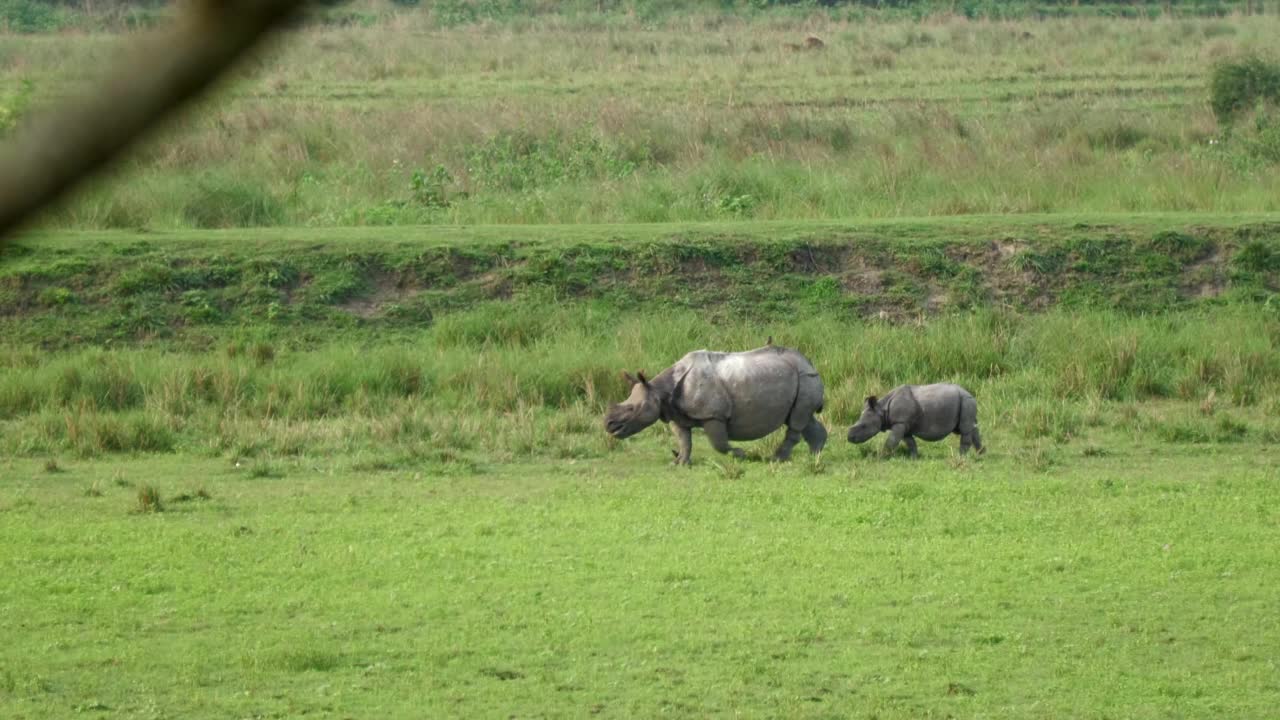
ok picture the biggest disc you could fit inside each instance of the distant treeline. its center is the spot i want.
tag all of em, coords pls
(50, 15)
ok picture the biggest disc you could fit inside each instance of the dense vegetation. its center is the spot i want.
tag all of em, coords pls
(390, 342)
(564, 120)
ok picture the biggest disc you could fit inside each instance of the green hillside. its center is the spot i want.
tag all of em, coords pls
(305, 285)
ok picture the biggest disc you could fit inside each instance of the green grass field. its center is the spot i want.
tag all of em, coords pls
(300, 412)
(1136, 582)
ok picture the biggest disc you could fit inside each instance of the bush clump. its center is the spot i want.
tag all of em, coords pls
(1239, 85)
(29, 16)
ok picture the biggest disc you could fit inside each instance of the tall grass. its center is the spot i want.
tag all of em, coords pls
(565, 121)
(477, 383)
(45, 16)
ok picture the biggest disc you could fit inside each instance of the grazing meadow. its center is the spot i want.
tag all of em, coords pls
(300, 410)
(688, 118)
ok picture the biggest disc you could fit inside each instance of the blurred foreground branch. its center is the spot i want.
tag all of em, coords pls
(170, 67)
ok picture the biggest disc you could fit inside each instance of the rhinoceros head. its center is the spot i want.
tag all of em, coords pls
(869, 423)
(640, 410)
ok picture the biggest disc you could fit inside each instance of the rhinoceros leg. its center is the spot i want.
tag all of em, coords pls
(788, 442)
(684, 443)
(896, 434)
(815, 435)
(801, 423)
(718, 434)
(968, 426)
(971, 439)
(911, 446)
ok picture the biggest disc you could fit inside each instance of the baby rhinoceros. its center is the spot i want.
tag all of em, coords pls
(731, 396)
(928, 412)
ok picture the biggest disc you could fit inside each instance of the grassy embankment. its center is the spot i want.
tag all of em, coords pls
(502, 342)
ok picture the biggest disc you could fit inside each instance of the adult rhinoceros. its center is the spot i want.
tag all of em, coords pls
(731, 396)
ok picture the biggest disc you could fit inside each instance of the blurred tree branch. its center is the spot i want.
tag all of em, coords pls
(56, 151)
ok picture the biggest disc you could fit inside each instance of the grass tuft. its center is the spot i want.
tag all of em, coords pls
(265, 469)
(148, 500)
(200, 494)
(310, 661)
(728, 469)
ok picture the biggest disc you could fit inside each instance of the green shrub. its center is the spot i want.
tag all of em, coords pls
(432, 189)
(1257, 257)
(199, 306)
(56, 297)
(29, 16)
(1236, 86)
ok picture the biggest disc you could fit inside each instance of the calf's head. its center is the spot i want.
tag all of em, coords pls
(869, 423)
(640, 410)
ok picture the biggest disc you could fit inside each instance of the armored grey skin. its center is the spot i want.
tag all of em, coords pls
(731, 396)
(928, 412)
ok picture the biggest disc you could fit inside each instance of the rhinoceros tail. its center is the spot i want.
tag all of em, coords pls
(804, 405)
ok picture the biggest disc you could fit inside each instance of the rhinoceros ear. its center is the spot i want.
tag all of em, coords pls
(871, 402)
(631, 379)
(643, 379)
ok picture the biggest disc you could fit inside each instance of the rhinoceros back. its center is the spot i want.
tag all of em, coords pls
(754, 392)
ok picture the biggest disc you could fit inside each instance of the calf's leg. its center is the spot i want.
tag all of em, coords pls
(896, 434)
(911, 446)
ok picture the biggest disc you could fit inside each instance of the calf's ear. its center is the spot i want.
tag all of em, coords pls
(643, 380)
(871, 402)
(631, 380)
